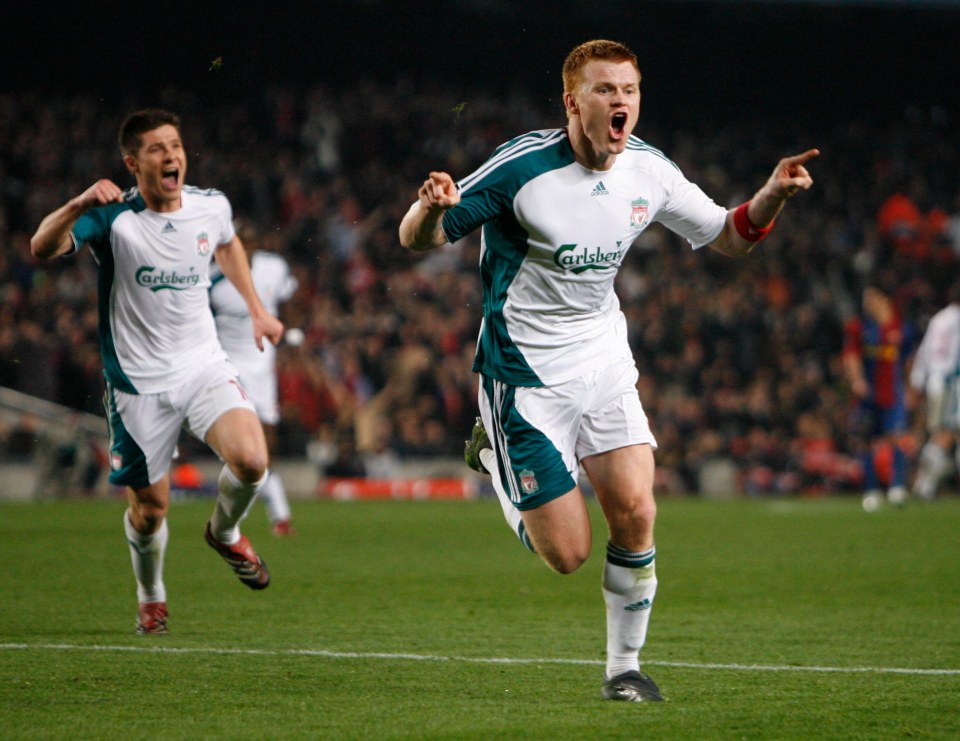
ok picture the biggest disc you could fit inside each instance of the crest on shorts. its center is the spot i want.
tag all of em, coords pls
(528, 482)
(203, 244)
(639, 213)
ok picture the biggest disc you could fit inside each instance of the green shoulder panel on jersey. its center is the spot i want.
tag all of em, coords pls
(487, 194)
(93, 228)
(638, 145)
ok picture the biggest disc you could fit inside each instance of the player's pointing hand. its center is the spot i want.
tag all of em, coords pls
(790, 175)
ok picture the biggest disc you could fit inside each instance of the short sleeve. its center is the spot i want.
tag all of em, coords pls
(691, 213)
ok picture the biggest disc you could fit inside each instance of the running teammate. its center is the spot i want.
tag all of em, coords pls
(934, 376)
(164, 367)
(258, 369)
(558, 209)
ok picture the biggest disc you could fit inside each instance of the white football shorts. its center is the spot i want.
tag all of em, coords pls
(262, 387)
(540, 434)
(144, 428)
(943, 407)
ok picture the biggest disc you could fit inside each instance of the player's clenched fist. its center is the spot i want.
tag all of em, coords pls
(100, 193)
(439, 191)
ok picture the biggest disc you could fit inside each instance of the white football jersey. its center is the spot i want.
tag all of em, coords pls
(274, 284)
(554, 235)
(938, 358)
(156, 328)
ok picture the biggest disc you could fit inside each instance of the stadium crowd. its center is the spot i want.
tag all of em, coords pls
(740, 359)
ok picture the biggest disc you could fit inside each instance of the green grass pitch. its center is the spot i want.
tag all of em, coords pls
(420, 620)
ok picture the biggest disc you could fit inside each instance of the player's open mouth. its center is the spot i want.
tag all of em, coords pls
(617, 124)
(170, 178)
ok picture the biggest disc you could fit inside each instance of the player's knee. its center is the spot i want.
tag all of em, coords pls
(568, 559)
(148, 508)
(249, 463)
(645, 513)
(638, 515)
(147, 518)
(568, 564)
(250, 469)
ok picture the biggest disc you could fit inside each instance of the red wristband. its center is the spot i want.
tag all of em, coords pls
(746, 228)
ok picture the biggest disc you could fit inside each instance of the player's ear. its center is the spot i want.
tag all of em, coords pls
(131, 162)
(570, 103)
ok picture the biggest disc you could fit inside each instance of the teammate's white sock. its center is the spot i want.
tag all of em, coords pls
(274, 497)
(510, 511)
(233, 504)
(934, 464)
(146, 554)
(629, 586)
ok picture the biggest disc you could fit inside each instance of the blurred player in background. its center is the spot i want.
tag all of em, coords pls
(165, 369)
(875, 352)
(934, 376)
(258, 370)
(558, 210)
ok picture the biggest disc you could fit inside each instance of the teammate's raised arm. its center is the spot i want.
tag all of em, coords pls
(52, 237)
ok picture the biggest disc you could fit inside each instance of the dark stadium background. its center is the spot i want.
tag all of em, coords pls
(699, 58)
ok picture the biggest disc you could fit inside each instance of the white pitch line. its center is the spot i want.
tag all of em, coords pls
(470, 659)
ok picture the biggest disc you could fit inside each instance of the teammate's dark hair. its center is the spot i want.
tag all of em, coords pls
(139, 123)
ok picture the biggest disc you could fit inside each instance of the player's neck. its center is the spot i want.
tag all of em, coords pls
(162, 205)
(584, 152)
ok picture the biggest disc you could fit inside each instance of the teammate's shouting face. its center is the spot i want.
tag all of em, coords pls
(159, 165)
(602, 109)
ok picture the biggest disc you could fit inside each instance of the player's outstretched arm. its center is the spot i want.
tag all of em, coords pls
(420, 229)
(233, 261)
(752, 221)
(52, 237)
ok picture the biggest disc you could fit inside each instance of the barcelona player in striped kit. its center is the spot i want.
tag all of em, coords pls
(875, 352)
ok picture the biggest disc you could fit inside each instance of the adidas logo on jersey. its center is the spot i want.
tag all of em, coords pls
(167, 228)
(599, 190)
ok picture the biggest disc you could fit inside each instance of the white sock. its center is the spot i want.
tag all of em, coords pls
(233, 504)
(934, 464)
(629, 586)
(274, 497)
(489, 460)
(146, 554)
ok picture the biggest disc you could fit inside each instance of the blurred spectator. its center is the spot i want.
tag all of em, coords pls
(68, 461)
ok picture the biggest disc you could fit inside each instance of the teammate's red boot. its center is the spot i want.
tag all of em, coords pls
(244, 561)
(152, 619)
